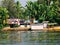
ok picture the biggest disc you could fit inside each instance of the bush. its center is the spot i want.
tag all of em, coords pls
(1, 26)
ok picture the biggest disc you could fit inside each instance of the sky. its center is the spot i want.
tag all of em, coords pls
(23, 2)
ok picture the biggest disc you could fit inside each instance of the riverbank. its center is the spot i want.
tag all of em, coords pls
(57, 28)
(15, 29)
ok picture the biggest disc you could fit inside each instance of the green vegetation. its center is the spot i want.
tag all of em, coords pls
(10, 6)
(3, 17)
(42, 10)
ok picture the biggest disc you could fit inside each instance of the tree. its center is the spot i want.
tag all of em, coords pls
(24, 13)
(35, 9)
(43, 12)
(3, 16)
(18, 9)
(9, 5)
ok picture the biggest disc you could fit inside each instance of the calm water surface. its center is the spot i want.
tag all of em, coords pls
(29, 38)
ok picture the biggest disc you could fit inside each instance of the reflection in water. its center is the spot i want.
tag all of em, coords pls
(29, 38)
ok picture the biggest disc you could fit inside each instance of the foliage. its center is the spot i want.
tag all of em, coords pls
(10, 6)
(43, 12)
(3, 16)
(18, 9)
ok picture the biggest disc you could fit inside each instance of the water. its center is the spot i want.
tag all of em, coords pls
(29, 38)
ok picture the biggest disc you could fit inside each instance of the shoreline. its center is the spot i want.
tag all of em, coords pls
(56, 28)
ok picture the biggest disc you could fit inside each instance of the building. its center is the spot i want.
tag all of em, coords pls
(13, 21)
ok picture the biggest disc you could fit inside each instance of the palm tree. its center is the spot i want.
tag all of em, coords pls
(18, 8)
(9, 5)
(44, 12)
(3, 16)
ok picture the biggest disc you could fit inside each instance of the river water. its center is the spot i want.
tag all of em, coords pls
(29, 38)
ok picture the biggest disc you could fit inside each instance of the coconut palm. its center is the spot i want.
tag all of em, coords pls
(43, 11)
(4, 15)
